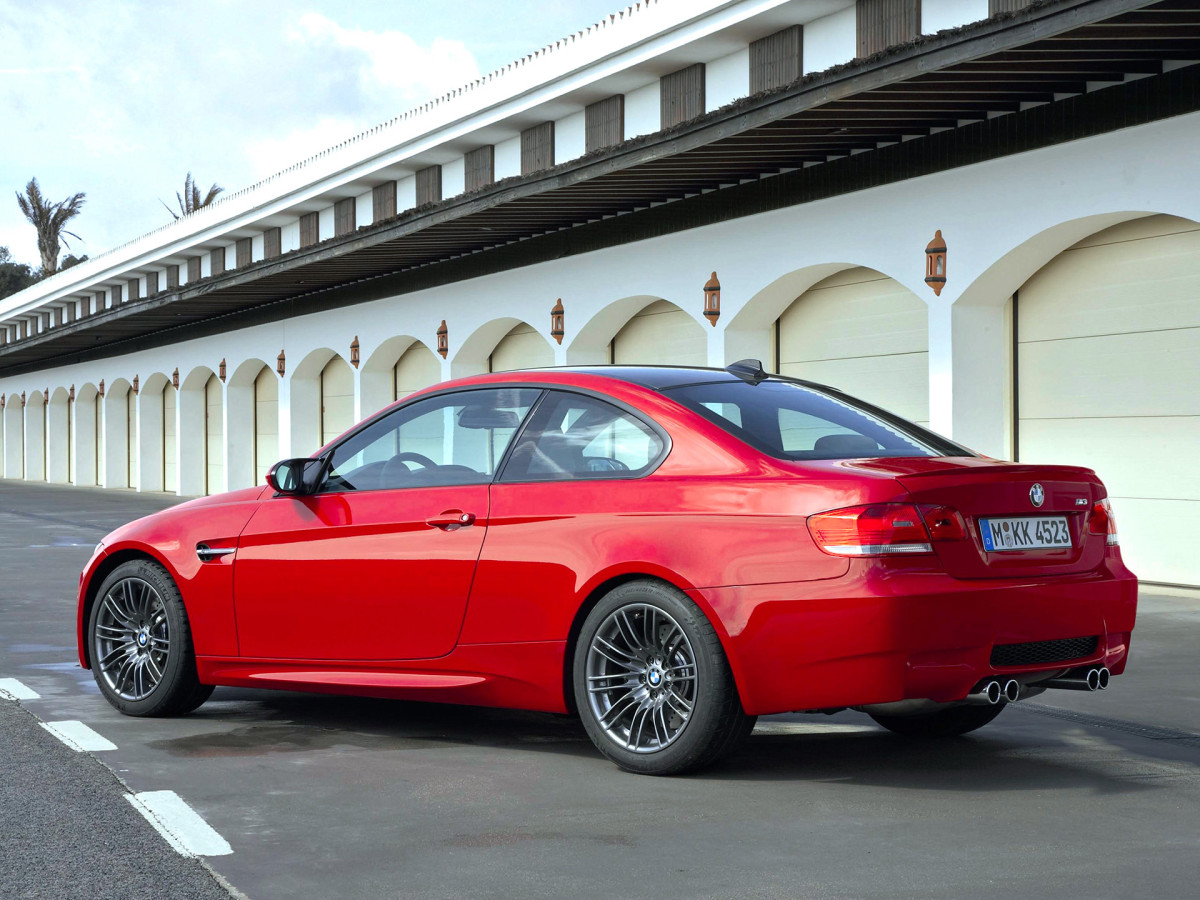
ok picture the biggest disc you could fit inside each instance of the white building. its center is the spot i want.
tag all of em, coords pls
(811, 153)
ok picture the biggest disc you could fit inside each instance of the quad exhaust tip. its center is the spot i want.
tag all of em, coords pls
(1094, 679)
(1012, 690)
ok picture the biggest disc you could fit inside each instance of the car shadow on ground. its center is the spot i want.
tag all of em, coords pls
(1023, 754)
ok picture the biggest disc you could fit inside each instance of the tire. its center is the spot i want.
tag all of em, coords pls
(945, 723)
(663, 698)
(140, 643)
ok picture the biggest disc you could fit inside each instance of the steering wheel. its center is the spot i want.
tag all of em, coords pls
(408, 456)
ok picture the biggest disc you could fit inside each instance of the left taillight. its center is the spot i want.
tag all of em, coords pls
(1102, 521)
(882, 529)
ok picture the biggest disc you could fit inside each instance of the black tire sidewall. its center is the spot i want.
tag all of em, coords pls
(175, 682)
(713, 682)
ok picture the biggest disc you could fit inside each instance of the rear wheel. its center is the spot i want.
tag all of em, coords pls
(942, 724)
(141, 644)
(652, 683)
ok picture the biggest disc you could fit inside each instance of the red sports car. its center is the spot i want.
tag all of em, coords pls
(666, 552)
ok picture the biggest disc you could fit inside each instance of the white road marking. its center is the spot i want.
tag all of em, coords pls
(78, 736)
(810, 728)
(179, 824)
(11, 689)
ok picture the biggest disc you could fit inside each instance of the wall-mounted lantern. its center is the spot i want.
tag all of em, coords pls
(443, 339)
(2, 399)
(221, 370)
(100, 389)
(46, 395)
(175, 378)
(280, 364)
(354, 352)
(71, 394)
(557, 319)
(22, 399)
(935, 263)
(712, 300)
(135, 384)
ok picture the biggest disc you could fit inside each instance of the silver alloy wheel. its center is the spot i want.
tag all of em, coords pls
(132, 640)
(641, 678)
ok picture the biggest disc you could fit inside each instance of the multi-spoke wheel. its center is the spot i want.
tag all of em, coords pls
(140, 644)
(652, 683)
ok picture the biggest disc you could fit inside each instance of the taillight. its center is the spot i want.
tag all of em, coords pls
(944, 523)
(1102, 521)
(882, 529)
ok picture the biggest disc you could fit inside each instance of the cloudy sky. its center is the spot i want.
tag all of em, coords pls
(121, 98)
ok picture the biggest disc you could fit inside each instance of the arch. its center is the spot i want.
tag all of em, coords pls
(304, 401)
(214, 435)
(523, 347)
(251, 423)
(192, 432)
(1107, 344)
(88, 435)
(660, 333)
(471, 356)
(119, 452)
(153, 432)
(58, 437)
(419, 367)
(377, 381)
(337, 399)
(14, 436)
(863, 332)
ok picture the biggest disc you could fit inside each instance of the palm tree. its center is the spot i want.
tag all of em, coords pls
(190, 200)
(50, 220)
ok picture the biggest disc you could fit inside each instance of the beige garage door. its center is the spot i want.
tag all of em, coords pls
(521, 348)
(864, 333)
(214, 431)
(266, 423)
(1109, 377)
(170, 398)
(418, 367)
(337, 399)
(662, 334)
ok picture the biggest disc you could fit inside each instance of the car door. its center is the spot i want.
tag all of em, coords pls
(378, 564)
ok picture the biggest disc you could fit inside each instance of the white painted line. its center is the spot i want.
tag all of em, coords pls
(78, 736)
(179, 824)
(810, 728)
(11, 689)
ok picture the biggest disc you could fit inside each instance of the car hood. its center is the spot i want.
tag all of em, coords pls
(233, 509)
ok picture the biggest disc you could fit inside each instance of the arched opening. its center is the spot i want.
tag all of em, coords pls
(170, 438)
(152, 432)
(1106, 338)
(418, 367)
(660, 334)
(337, 399)
(214, 436)
(523, 347)
(35, 436)
(58, 437)
(86, 432)
(14, 436)
(120, 423)
(192, 435)
(266, 423)
(864, 333)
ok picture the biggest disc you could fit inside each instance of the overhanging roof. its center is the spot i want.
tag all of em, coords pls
(937, 82)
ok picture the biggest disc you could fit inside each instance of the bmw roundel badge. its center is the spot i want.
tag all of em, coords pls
(1037, 495)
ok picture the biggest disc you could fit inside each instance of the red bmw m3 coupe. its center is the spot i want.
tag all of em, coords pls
(665, 552)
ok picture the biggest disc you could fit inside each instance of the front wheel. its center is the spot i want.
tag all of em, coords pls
(141, 644)
(652, 683)
(942, 724)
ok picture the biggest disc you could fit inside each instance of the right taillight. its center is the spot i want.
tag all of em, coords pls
(882, 529)
(1102, 521)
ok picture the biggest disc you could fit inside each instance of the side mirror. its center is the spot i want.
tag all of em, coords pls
(296, 477)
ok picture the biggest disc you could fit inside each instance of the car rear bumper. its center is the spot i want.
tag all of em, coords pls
(886, 632)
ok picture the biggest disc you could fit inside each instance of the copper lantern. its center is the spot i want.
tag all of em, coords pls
(935, 263)
(557, 327)
(712, 300)
(443, 339)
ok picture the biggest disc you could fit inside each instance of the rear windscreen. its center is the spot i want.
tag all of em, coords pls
(796, 421)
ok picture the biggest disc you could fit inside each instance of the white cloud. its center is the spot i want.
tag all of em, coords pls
(392, 60)
(268, 155)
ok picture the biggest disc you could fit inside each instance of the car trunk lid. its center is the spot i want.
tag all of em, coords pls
(980, 488)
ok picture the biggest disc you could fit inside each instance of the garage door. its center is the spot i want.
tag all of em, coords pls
(337, 399)
(864, 333)
(416, 368)
(521, 348)
(1109, 377)
(662, 334)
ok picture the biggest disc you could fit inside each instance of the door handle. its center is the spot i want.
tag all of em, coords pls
(208, 554)
(451, 520)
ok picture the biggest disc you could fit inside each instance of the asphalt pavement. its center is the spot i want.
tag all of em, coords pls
(1066, 795)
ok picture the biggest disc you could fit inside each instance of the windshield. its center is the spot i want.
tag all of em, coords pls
(797, 421)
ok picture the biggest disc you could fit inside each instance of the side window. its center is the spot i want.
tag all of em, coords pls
(801, 432)
(573, 436)
(452, 439)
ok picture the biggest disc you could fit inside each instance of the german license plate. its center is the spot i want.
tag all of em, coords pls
(1024, 533)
